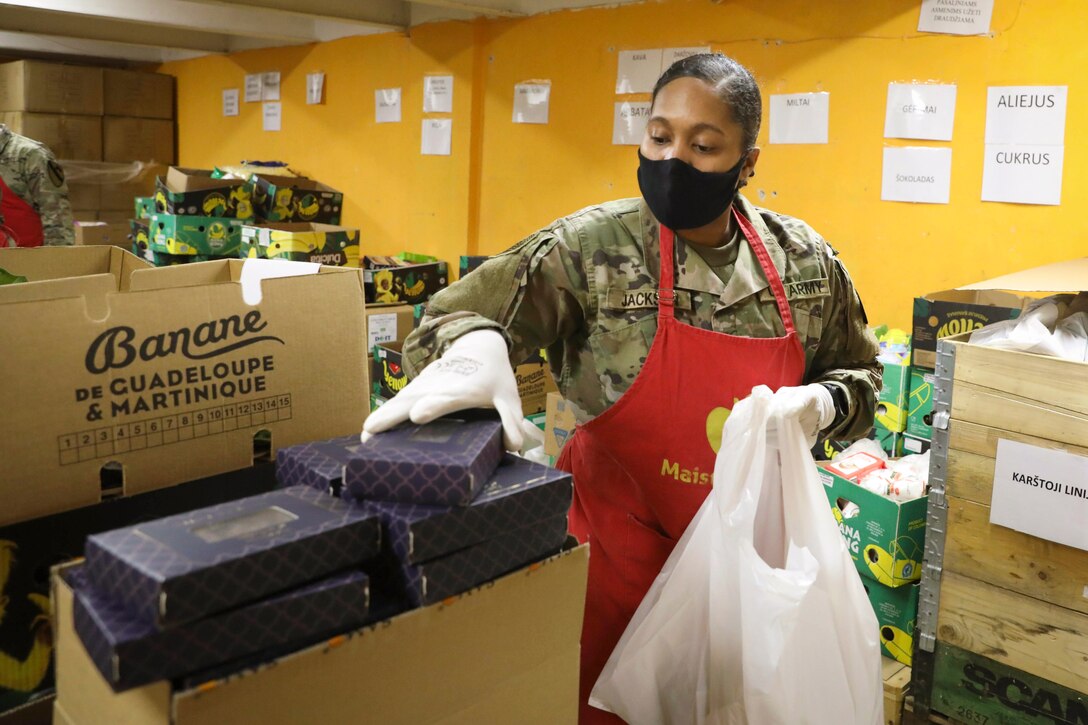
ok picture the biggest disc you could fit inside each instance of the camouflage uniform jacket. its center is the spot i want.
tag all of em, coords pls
(33, 174)
(584, 288)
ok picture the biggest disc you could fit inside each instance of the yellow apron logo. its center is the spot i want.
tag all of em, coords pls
(715, 424)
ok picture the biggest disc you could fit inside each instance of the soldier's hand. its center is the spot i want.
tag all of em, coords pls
(474, 372)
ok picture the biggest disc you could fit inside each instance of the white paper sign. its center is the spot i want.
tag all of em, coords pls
(531, 102)
(629, 122)
(315, 86)
(956, 17)
(1026, 114)
(381, 328)
(638, 70)
(671, 55)
(387, 105)
(800, 117)
(1041, 492)
(230, 102)
(1023, 174)
(270, 86)
(917, 174)
(253, 87)
(272, 116)
(437, 136)
(438, 94)
(917, 110)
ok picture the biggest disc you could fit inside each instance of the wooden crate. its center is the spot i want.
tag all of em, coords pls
(1013, 608)
(896, 683)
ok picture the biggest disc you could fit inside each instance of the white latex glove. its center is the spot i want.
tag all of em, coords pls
(474, 372)
(812, 405)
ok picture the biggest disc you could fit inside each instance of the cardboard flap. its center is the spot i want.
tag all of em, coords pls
(977, 296)
(93, 289)
(182, 179)
(182, 275)
(1068, 276)
(41, 263)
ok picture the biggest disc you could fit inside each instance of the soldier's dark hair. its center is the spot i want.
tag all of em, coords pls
(732, 81)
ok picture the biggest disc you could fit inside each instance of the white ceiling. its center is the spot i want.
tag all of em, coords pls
(152, 31)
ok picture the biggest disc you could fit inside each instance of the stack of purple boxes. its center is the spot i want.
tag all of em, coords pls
(171, 597)
(456, 511)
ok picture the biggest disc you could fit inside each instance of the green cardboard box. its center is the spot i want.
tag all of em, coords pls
(145, 207)
(914, 445)
(195, 235)
(195, 192)
(469, 263)
(302, 242)
(377, 401)
(896, 610)
(920, 404)
(387, 377)
(295, 199)
(891, 403)
(885, 537)
(891, 441)
(389, 280)
(952, 312)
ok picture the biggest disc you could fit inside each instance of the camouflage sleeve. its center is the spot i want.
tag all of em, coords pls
(49, 194)
(846, 356)
(534, 294)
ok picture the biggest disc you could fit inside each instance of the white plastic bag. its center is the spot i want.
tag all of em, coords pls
(758, 616)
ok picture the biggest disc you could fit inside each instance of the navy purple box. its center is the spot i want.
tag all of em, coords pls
(445, 462)
(434, 580)
(131, 652)
(519, 492)
(185, 567)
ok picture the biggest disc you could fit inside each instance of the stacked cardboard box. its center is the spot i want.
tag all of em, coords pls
(86, 114)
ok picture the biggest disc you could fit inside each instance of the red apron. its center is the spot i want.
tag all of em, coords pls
(20, 218)
(644, 466)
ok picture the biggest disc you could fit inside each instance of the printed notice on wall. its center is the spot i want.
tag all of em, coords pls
(917, 174)
(387, 105)
(671, 55)
(270, 86)
(629, 123)
(956, 17)
(1026, 114)
(1041, 492)
(800, 117)
(1022, 174)
(923, 111)
(230, 102)
(438, 94)
(253, 87)
(531, 102)
(272, 116)
(437, 137)
(638, 70)
(315, 88)
(1025, 137)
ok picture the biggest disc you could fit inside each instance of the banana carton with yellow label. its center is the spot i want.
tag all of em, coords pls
(295, 199)
(896, 610)
(198, 192)
(194, 235)
(387, 377)
(885, 537)
(400, 280)
(302, 242)
(891, 403)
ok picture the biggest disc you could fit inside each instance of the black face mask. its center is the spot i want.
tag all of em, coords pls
(681, 196)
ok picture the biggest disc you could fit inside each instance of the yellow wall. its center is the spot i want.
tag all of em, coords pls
(504, 180)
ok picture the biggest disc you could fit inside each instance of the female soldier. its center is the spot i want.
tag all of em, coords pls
(657, 313)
